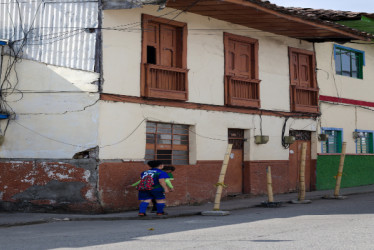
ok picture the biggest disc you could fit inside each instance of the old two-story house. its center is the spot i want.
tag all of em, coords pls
(93, 99)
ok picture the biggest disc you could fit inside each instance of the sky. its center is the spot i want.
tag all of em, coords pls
(347, 5)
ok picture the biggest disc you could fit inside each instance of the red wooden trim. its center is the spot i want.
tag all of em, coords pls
(345, 101)
(198, 106)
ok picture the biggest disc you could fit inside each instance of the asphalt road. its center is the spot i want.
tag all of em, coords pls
(323, 224)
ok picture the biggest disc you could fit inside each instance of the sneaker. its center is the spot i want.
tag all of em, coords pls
(142, 214)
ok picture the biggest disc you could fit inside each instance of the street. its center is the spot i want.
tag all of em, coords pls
(323, 224)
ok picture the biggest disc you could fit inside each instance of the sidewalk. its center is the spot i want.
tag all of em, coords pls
(19, 219)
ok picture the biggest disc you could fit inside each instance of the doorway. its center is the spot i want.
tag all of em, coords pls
(295, 149)
(234, 174)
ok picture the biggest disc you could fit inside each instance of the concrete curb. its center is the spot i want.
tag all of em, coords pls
(195, 210)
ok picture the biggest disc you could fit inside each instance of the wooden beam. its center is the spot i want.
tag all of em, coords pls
(296, 19)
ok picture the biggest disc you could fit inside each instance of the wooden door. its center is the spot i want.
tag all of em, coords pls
(234, 174)
(295, 160)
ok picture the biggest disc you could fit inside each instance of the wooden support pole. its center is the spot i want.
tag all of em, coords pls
(302, 172)
(340, 171)
(270, 184)
(217, 200)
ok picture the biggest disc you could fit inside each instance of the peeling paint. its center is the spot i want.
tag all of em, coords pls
(62, 176)
(90, 195)
(31, 181)
(86, 175)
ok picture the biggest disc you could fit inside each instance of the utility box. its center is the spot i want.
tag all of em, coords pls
(261, 139)
(323, 137)
(289, 139)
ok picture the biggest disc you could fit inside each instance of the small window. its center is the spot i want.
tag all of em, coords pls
(349, 62)
(167, 143)
(334, 142)
(364, 142)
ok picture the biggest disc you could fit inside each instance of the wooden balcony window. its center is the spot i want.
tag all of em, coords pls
(303, 84)
(166, 82)
(243, 92)
(164, 59)
(242, 86)
(304, 99)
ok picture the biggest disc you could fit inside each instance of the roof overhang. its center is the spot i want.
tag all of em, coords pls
(270, 18)
(257, 14)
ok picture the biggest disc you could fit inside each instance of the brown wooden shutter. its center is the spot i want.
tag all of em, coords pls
(152, 40)
(303, 89)
(304, 71)
(241, 71)
(168, 45)
(238, 61)
(294, 68)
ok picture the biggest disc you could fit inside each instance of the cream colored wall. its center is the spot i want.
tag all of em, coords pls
(332, 84)
(205, 59)
(347, 117)
(56, 114)
(123, 131)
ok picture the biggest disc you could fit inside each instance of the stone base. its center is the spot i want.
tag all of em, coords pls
(301, 202)
(271, 204)
(215, 213)
(333, 197)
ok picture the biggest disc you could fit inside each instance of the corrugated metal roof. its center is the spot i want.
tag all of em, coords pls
(55, 31)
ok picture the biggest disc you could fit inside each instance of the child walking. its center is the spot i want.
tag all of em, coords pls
(152, 186)
(169, 170)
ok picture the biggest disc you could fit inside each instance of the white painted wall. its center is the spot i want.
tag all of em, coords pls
(122, 125)
(56, 114)
(123, 130)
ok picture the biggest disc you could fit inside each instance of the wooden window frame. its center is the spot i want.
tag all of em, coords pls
(360, 57)
(298, 105)
(252, 82)
(181, 72)
(172, 147)
(338, 141)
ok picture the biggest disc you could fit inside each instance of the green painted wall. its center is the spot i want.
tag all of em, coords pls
(358, 171)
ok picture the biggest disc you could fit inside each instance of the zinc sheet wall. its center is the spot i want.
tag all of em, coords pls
(52, 32)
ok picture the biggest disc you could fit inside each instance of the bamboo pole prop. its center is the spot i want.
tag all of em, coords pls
(269, 184)
(302, 172)
(217, 200)
(340, 171)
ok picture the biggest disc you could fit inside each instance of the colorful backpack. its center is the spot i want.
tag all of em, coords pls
(146, 183)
